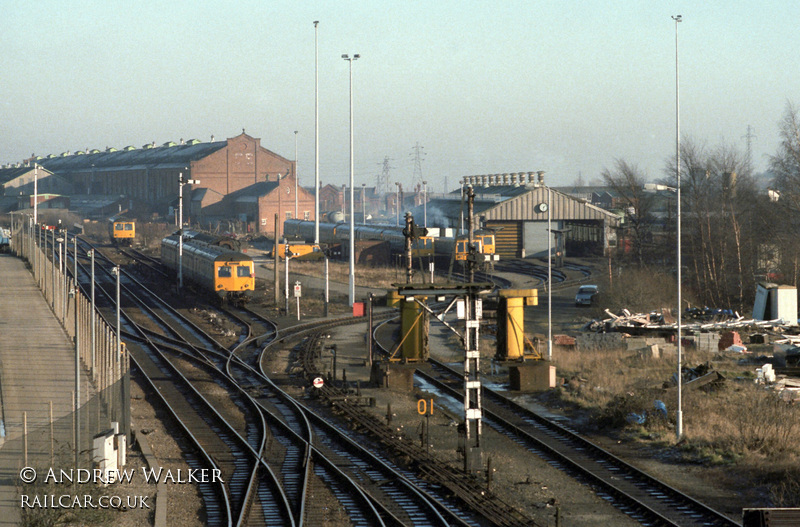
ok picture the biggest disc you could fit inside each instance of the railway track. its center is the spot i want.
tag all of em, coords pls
(288, 441)
(641, 496)
(560, 278)
(435, 476)
(395, 498)
(226, 428)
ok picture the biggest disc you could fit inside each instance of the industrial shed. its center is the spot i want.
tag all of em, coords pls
(509, 204)
(257, 205)
(150, 174)
(522, 225)
(18, 180)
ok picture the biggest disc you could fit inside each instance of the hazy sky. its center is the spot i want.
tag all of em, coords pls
(485, 87)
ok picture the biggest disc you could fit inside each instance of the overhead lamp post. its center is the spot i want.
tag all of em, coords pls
(181, 183)
(549, 276)
(679, 416)
(363, 203)
(425, 203)
(35, 193)
(463, 182)
(295, 175)
(397, 203)
(116, 365)
(74, 295)
(94, 344)
(316, 135)
(352, 280)
(540, 208)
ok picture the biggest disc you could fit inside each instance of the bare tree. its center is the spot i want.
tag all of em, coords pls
(785, 164)
(717, 199)
(628, 183)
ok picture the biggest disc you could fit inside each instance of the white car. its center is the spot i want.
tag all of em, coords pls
(585, 295)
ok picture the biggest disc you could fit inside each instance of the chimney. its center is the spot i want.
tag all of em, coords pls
(540, 176)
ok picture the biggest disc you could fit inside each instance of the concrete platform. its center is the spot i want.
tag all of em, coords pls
(37, 366)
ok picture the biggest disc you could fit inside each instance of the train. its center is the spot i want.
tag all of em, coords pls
(229, 276)
(122, 232)
(5, 239)
(443, 249)
(299, 250)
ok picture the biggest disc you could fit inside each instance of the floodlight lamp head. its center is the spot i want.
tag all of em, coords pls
(356, 56)
(676, 18)
(345, 57)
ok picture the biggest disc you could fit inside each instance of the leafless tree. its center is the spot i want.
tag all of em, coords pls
(717, 199)
(785, 164)
(628, 183)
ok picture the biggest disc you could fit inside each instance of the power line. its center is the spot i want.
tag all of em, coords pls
(749, 136)
(382, 179)
(417, 152)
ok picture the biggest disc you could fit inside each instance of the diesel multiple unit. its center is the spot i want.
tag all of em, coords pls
(443, 248)
(227, 274)
(122, 232)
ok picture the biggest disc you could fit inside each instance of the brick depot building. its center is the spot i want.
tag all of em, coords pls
(237, 178)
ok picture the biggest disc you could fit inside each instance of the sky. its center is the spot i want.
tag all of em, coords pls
(566, 87)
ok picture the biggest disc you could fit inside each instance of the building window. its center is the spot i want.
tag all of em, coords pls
(288, 215)
(306, 215)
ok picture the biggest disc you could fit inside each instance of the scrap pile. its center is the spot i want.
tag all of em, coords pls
(694, 320)
(704, 376)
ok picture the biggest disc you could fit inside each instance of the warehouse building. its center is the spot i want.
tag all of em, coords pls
(147, 178)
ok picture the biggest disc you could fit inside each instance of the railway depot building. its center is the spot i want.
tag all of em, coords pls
(148, 179)
(512, 206)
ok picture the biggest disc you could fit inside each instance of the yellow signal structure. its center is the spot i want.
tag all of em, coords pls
(511, 338)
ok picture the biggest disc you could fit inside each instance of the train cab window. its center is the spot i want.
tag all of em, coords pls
(129, 226)
(119, 227)
(243, 271)
(224, 272)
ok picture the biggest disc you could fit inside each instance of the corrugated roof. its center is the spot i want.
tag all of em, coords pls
(562, 207)
(166, 156)
(10, 174)
(449, 208)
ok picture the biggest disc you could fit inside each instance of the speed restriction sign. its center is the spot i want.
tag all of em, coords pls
(318, 382)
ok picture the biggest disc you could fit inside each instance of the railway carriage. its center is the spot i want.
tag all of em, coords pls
(228, 275)
(424, 246)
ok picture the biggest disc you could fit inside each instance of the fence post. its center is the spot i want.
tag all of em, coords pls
(52, 438)
(25, 437)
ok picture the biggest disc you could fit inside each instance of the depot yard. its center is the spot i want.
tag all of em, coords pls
(740, 438)
(740, 431)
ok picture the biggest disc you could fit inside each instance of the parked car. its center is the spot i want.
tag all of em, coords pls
(585, 295)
